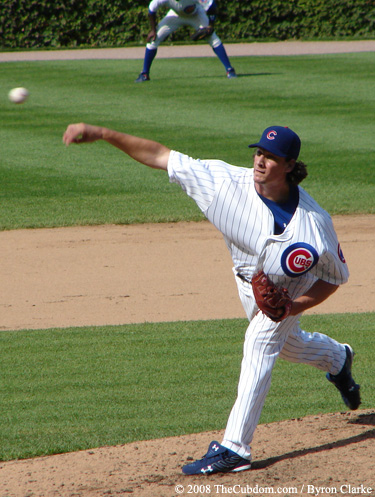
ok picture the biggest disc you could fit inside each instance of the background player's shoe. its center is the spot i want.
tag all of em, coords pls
(231, 73)
(142, 77)
(218, 459)
(344, 382)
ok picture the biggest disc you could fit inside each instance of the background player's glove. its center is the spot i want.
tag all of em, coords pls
(202, 33)
(273, 301)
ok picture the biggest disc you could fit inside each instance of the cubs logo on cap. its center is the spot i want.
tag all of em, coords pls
(271, 135)
(280, 141)
(298, 259)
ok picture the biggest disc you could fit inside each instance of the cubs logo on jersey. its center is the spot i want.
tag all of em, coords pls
(341, 254)
(298, 259)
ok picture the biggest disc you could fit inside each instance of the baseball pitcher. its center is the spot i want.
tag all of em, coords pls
(286, 259)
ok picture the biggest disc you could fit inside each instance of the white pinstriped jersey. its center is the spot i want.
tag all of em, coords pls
(308, 248)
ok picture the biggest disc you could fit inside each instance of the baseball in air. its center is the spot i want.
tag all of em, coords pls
(18, 95)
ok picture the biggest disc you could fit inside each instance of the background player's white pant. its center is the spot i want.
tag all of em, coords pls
(264, 342)
(171, 22)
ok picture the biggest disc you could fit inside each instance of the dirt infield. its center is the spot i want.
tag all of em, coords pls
(122, 274)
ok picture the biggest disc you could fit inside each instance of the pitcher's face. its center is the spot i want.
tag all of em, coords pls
(271, 169)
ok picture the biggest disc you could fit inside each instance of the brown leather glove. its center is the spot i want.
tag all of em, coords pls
(273, 301)
(202, 33)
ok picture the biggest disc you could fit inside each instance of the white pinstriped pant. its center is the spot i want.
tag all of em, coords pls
(171, 22)
(265, 341)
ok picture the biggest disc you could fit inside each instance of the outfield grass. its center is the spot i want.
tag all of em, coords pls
(69, 389)
(189, 105)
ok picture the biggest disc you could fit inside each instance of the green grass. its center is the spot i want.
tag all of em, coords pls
(70, 389)
(190, 106)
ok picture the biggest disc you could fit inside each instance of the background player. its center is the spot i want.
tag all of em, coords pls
(270, 223)
(194, 13)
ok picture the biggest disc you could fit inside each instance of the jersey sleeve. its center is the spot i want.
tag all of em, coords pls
(200, 179)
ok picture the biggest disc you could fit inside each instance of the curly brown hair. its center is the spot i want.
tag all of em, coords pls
(298, 173)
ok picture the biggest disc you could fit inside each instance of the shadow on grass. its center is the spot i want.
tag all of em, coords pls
(239, 75)
(248, 75)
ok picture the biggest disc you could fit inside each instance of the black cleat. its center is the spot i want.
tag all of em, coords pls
(344, 382)
(231, 73)
(142, 78)
(218, 459)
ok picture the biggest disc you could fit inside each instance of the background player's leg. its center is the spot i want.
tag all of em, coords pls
(201, 20)
(147, 62)
(219, 49)
(166, 26)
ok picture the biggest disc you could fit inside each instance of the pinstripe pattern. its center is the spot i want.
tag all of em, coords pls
(226, 195)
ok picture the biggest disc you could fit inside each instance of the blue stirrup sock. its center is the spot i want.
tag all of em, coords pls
(222, 55)
(149, 57)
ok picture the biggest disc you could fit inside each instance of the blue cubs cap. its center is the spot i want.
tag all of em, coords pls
(280, 141)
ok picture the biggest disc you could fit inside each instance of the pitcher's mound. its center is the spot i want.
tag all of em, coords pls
(329, 454)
